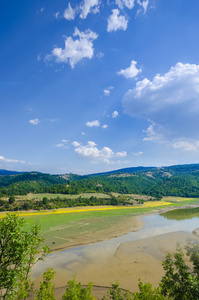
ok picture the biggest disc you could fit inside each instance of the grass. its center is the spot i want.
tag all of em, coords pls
(62, 225)
(31, 196)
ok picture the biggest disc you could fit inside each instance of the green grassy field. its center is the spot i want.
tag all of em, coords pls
(61, 196)
(62, 225)
(61, 228)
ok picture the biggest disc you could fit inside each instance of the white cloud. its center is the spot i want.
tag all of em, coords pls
(144, 4)
(152, 134)
(83, 133)
(104, 126)
(187, 146)
(93, 123)
(53, 120)
(107, 91)
(38, 57)
(69, 13)
(60, 145)
(121, 154)
(169, 102)
(115, 114)
(8, 160)
(130, 72)
(34, 121)
(96, 155)
(89, 6)
(100, 55)
(76, 144)
(128, 3)
(57, 14)
(137, 153)
(75, 50)
(116, 22)
(63, 144)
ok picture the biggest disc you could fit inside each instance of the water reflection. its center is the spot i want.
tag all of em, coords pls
(182, 214)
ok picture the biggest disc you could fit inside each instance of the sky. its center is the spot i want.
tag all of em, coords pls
(91, 86)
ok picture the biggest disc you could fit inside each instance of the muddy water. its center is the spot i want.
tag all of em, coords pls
(71, 261)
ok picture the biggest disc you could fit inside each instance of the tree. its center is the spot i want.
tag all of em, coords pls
(115, 293)
(146, 292)
(11, 199)
(75, 291)
(18, 250)
(179, 282)
(46, 291)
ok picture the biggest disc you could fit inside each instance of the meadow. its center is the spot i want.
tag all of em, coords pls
(63, 228)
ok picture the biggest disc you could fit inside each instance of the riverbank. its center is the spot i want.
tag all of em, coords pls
(120, 259)
(129, 262)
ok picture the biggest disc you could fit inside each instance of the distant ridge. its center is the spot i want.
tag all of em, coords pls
(126, 170)
(6, 172)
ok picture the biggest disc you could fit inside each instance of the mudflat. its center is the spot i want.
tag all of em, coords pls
(129, 262)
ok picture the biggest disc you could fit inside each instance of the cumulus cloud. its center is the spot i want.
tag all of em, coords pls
(8, 160)
(116, 21)
(63, 144)
(115, 114)
(104, 126)
(153, 133)
(76, 144)
(131, 3)
(169, 102)
(34, 121)
(107, 91)
(93, 123)
(75, 49)
(127, 3)
(89, 6)
(92, 152)
(121, 154)
(187, 146)
(144, 4)
(57, 14)
(137, 153)
(69, 13)
(60, 145)
(131, 71)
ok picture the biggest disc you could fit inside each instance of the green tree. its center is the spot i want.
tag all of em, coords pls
(115, 293)
(146, 292)
(46, 291)
(179, 282)
(11, 199)
(75, 291)
(18, 250)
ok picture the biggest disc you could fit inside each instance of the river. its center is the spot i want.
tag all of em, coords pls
(71, 259)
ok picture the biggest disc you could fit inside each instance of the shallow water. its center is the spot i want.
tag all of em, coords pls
(154, 225)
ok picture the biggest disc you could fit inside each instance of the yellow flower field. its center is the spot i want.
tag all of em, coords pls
(149, 204)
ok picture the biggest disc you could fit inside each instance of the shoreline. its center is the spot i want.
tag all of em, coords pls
(130, 261)
(109, 233)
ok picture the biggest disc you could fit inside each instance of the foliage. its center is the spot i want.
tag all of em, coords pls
(11, 199)
(75, 291)
(115, 293)
(46, 291)
(179, 282)
(18, 250)
(146, 292)
(182, 181)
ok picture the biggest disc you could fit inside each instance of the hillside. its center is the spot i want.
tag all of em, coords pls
(179, 180)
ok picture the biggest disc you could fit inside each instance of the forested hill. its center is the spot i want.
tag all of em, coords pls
(179, 180)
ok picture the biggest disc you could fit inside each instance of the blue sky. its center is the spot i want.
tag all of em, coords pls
(90, 86)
